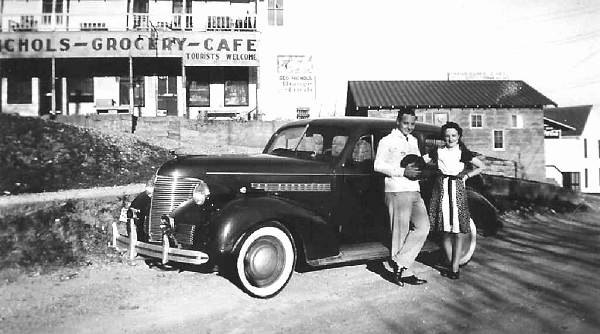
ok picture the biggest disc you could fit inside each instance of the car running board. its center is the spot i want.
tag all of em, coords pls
(354, 252)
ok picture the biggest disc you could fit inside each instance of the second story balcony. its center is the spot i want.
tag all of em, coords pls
(126, 22)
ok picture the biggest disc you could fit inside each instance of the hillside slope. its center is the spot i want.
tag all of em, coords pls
(38, 155)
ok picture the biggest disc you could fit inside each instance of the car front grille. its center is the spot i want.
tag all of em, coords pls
(169, 193)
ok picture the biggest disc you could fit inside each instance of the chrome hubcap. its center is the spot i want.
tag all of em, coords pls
(264, 261)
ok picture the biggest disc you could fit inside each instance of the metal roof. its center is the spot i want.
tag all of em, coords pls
(445, 94)
(575, 116)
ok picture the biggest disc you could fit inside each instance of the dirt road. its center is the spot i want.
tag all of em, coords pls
(540, 275)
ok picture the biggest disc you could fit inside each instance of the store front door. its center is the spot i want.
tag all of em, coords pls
(45, 106)
(167, 96)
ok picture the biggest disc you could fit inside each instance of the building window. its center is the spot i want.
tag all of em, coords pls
(585, 177)
(178, 6)
(18, 90)
(571, 180)
(440, 118)
(516, 121)
(420, 117)
(198, 94)
(236, 87)
(584, 147)
(598, 148)
(81, 90)
(476, 121)
(275, 10)
(138, 91)
(498, 140)
(140, 6)
(47, 6)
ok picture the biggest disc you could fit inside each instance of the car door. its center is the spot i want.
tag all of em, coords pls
(361, 214)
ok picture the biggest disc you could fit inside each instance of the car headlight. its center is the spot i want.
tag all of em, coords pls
(200, 193)
(150, 187)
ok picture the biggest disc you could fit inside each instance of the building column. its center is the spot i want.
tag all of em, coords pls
(65, 103)
(131, 86)
(53, 85)
(183, 95)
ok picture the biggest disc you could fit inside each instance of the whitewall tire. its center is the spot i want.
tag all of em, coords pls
(469, 243)
(265, 260)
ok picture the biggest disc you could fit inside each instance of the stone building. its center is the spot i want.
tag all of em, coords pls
(502, 119)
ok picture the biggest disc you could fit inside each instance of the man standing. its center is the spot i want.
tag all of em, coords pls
(402, 197)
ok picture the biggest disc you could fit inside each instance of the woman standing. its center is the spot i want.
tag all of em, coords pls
(448, 210)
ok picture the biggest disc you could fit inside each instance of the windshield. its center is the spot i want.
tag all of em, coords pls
(308, 142)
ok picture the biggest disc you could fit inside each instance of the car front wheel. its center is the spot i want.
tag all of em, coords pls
(265, 260)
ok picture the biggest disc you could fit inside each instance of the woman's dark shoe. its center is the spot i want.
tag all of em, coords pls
(451, 274)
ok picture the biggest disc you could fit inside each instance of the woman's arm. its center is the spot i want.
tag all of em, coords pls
(477, 168)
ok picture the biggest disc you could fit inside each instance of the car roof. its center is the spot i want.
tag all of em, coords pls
(355, 122)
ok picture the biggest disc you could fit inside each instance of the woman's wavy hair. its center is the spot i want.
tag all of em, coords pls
(455, 126)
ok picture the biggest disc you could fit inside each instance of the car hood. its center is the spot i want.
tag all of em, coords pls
(261, 164)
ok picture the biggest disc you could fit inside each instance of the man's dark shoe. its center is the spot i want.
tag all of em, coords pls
(397, 275)
(413, 280)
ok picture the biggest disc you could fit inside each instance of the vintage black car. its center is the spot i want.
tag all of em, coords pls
(310, 198)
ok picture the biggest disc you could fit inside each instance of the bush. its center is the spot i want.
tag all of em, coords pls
(38, 155)
(62, 233)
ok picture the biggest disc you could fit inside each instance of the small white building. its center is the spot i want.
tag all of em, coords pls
(572, 146)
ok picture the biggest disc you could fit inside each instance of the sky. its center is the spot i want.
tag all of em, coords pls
(553, 45)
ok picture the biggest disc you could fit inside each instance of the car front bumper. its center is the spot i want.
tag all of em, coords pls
(160, 251)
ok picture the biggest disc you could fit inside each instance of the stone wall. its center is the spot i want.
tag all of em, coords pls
(249, 134)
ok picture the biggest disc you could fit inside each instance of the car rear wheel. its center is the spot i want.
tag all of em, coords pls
(265, 260)
(469, 242)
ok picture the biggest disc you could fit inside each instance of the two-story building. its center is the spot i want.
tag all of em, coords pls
(572, 146)
(500, 118)
(145, 57)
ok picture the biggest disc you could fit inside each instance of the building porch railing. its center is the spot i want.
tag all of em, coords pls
(124, 22)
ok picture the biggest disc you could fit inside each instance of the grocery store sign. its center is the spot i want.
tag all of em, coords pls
(195, 49)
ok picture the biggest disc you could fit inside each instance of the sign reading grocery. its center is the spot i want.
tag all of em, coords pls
(196, 49)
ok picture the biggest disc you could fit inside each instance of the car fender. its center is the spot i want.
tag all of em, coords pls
(313, 235)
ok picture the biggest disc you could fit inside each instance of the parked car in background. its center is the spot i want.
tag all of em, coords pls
(311, 197)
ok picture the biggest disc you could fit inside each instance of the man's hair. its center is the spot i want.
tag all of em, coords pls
(405, 111)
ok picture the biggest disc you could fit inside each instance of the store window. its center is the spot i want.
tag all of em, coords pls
(476, 121)
(198, 93)
(167, 86)
(138, 91)
(499, 140)
(18, 90)
(275, 10)
(236, 87)
(81, 89)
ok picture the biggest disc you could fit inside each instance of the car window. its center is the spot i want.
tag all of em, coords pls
(337, 145)
(363, 150)
(308, 142)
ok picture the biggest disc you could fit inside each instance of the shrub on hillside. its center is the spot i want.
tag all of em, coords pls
(38, 155)
(59, 233)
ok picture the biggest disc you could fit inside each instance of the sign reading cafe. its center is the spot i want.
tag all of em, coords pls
(215, 49)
